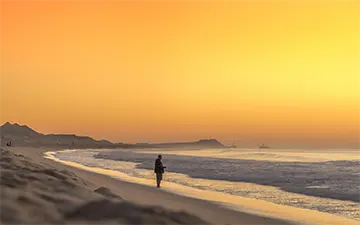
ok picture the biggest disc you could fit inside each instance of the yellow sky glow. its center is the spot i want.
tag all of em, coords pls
(280, 72)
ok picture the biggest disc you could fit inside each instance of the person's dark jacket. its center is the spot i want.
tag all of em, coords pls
(159, 168)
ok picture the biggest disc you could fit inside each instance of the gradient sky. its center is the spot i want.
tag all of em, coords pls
(285, 73)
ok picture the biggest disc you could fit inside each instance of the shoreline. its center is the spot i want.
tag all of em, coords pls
(196, 205)
(232, 202)
(145, 196)
(35, 191)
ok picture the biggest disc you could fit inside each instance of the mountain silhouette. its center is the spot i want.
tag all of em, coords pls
(17, 130)
(22, 135)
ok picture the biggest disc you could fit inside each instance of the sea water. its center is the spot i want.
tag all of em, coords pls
(323, 180)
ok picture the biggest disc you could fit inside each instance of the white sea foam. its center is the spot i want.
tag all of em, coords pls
(224, 171)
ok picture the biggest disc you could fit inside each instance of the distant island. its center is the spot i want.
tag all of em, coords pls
(22, 135)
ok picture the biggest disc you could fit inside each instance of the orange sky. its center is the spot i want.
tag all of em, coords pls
(280, 72)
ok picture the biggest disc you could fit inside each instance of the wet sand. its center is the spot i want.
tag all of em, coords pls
(88, 182)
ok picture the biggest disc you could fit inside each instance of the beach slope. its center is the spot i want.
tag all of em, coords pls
(38, 190)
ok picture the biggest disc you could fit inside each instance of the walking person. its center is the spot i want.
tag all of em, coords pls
(159, 170)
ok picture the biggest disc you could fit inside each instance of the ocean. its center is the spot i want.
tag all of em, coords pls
(321, 180)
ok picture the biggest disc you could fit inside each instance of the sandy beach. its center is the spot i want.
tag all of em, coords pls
(38, 190)
(180, 112)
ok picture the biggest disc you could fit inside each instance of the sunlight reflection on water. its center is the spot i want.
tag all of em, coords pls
(347, 209)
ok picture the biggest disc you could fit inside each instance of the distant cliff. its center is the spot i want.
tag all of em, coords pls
(22, 135)
(16, 130)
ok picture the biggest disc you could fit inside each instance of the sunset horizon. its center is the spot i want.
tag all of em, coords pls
(180, 112)
(283, 73)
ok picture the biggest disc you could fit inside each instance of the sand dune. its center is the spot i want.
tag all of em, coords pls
(38, 190)
(38, 193)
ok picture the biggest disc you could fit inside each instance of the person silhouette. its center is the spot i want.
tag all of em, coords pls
(159, 170)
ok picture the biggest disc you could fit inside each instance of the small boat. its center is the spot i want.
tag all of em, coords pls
(263, 146)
